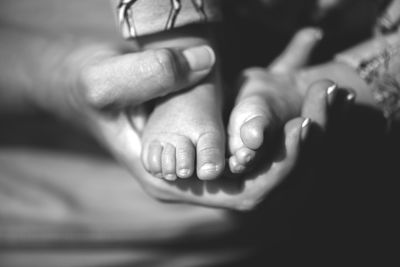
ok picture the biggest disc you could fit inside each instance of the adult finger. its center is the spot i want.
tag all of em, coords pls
(319, 97)
(135, 78)
(298, 51)
(233, 194)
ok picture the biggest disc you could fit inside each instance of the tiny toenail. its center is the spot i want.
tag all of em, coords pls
(248, 158)
(184, 172)
(170, 177)
(239, 168)
(209, 167)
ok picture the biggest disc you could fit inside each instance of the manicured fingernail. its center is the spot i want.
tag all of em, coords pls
(200, 57)
(305, 126)
(184, 173)
(330, 94)
(351, 97)
(170, 177)
(348, 100)
(331, 89)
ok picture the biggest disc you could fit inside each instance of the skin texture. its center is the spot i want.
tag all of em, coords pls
(184, 134)
(66, 76)
(246, 193)
(261, 107)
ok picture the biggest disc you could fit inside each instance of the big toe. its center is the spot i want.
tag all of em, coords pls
(252, 132)
(210, 155)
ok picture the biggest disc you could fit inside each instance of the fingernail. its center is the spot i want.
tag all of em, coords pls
(305, 126)
(200, 57)
(348, 100)
(351, 97)
(184, 173)
(330, 94)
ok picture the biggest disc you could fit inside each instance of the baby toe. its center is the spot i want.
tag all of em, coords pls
(252, 132)
(185, 158)
(168, 161)
(235, 166)
(154, 159)
(210, 154)
(245, 155)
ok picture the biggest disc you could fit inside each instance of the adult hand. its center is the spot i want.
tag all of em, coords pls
(246, 192)
(112, 86)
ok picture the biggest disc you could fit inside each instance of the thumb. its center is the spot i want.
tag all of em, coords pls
(298, 51)
(132, 79)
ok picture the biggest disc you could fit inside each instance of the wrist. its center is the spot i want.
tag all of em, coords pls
(138, 17)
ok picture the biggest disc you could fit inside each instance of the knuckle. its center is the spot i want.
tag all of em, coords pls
(95, 87)
(167, 67)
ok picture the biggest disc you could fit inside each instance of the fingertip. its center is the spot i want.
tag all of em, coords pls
(305, 129)
(319, 99)
(293, 128)
(200, 58)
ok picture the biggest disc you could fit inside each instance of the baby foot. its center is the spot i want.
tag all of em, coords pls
(184, 135)
(248, 122)
(258, 114)
(267, 100)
